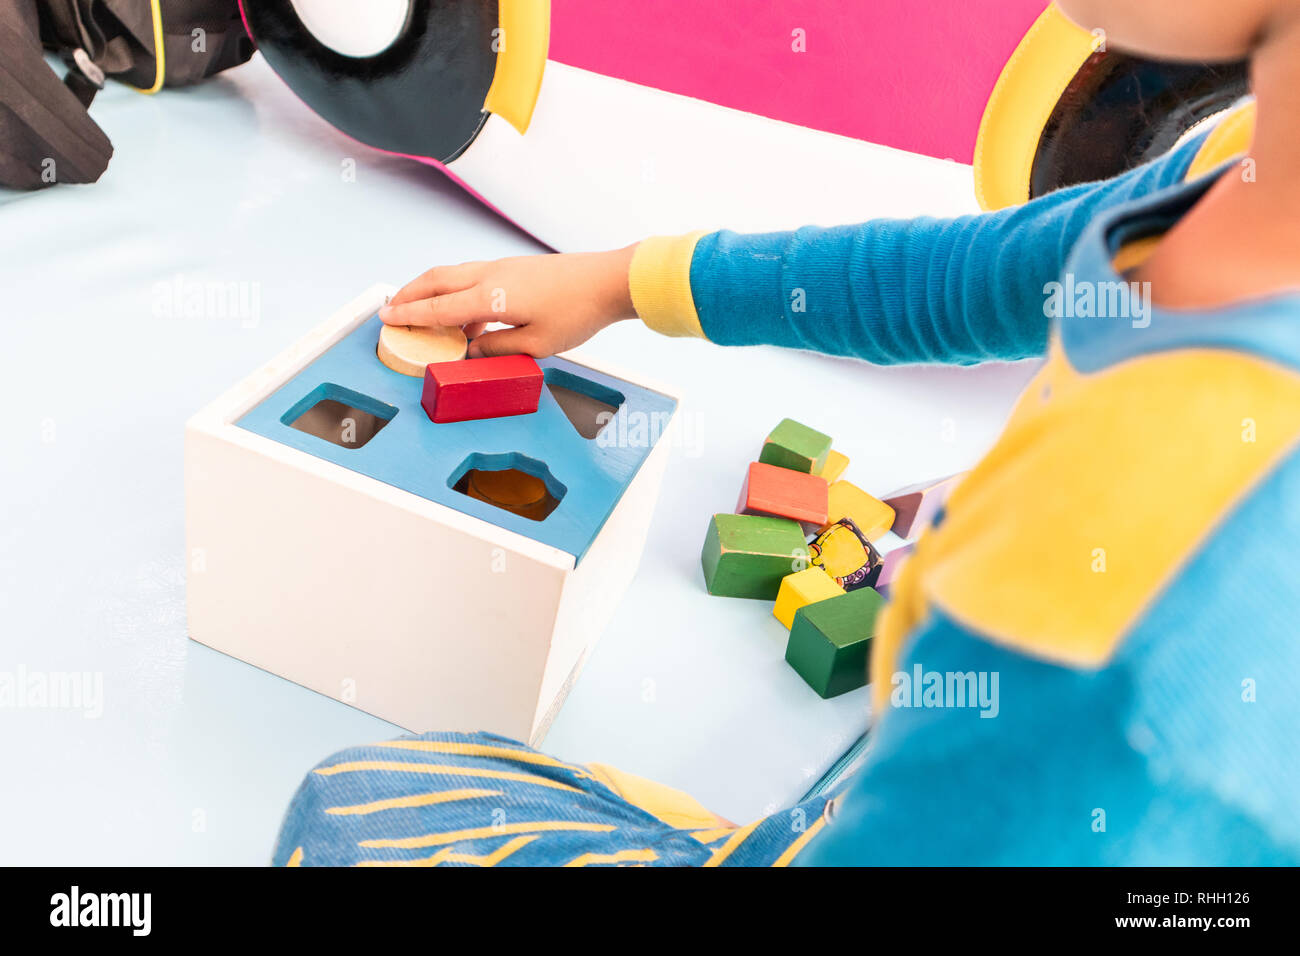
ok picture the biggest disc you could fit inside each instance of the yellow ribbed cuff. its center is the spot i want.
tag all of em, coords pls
(660, 282)
(672, 806)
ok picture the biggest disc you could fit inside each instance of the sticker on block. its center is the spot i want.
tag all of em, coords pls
(846, 554)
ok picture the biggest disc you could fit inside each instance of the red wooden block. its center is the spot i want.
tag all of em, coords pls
(915, 505)
(470, 389)
(784, 493)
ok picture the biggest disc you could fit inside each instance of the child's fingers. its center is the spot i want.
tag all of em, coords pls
(437, 281)
(475, 329)
(454, 308)
(503, 342)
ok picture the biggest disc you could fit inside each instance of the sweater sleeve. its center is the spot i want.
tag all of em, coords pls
(890, 292)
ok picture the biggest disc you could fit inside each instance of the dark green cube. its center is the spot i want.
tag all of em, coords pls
(797, 447)
(746, 556)
(829, 641)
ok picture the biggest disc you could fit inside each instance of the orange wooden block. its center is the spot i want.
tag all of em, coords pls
(872, 516)
(783, 493)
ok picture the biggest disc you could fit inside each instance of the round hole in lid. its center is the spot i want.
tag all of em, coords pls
(509, 488)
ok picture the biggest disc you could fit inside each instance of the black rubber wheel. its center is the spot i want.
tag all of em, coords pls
(1120, 111)
(422, 96)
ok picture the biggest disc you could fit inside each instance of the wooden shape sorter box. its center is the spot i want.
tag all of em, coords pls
(342, 540)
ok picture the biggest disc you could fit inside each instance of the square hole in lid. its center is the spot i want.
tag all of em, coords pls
(339, 415)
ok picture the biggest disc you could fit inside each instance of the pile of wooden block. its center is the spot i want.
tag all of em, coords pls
(804, 538)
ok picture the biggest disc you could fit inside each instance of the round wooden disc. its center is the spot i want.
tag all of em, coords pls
(408, 349)
(509, 488)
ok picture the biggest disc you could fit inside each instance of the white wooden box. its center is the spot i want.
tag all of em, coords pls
(429, 616)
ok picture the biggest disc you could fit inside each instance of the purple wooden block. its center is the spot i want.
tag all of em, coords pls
(915, 505)
(889, 565)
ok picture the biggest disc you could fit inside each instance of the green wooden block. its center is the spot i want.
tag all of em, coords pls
(796, 447)
(829, 640)
(747, 555)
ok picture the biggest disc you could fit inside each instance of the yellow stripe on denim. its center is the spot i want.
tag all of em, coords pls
(645, 855)
(793, 849)
(411, 800)
(450, 854)
(463, 749)
(396, 766)
(485, 833)
(673, 807)
(740, 836)
(660, 283)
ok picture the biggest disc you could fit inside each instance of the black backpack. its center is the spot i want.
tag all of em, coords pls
(46, 135)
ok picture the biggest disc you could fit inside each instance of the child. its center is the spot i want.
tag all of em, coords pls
(1124, 560)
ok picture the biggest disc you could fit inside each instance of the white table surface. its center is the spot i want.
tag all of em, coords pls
(195, 754)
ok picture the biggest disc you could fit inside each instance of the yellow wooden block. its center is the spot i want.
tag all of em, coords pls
(872, 516)
(835, 466)
(801, 589)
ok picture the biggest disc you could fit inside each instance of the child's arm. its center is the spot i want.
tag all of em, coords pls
(554, 302)
(889, 291)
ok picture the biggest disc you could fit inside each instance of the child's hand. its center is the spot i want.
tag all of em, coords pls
(554, 302)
